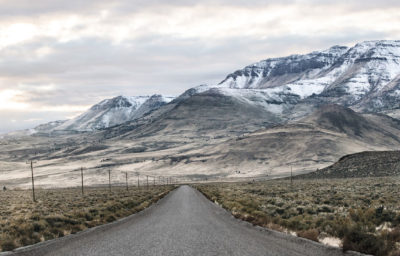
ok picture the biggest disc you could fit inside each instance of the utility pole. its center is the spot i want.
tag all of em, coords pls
(33, 182)
(126, 179)
(82, 179)
(291, 176)
(109, 179)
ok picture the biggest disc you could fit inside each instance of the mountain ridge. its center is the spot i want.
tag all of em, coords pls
(365, 77)
(115, 111)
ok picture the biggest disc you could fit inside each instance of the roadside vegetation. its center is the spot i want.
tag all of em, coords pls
(60, 212)
(357, 214)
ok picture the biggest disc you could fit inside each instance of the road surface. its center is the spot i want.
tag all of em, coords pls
(183, 223)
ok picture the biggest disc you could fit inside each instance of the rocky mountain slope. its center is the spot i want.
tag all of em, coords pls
(365, 77)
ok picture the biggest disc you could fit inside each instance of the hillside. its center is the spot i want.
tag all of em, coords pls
(360, 165)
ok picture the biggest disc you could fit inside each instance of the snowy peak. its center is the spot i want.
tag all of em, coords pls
(333, 62)
(376, 49)
(278, 71)
(121, 102)
(364, 77)
(115, 111)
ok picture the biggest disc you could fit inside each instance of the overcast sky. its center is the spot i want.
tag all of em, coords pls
(58, 57)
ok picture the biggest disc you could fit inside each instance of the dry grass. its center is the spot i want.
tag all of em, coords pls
(364, 213)
(60, 212)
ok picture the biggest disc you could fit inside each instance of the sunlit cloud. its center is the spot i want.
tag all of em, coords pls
(8, 101)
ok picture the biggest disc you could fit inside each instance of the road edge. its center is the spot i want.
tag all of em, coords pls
(278, 233)
(48, 243)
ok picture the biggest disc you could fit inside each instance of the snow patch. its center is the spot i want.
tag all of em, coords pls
(331, 241)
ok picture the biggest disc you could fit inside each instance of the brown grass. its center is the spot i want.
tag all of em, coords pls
(60, 212)
(350, 209)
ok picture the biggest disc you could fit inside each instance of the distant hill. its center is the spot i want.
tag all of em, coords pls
(115, 111)
(359, 165)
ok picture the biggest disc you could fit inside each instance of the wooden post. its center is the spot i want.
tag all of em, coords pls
(109, 180)
(154, 181)
(147, 176)
(33, 184)
(138, 184)
(126, 178)
(291, 176)
(82, 179)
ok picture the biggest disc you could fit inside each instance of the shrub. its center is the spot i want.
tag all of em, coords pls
(38, 226)
(110, 218)
(76, 228)
(311, 234)
(356, 239)
(8, 245)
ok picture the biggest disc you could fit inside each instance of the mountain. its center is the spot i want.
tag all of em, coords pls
(48, 126)
(114, 111)
(42, 128)
(301, 111)
(365, 77)
(359, 165)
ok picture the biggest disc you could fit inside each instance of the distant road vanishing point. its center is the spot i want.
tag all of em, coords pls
(182, 223)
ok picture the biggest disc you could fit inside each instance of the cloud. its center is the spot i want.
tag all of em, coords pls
(59, 57)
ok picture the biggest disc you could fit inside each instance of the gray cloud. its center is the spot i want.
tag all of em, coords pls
(83, 70)
(26, 8)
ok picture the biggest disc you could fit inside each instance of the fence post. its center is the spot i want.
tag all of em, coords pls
(126, 177)
(82, 179)
(291, 176)
(33, 184)
(109, 179)
(138, 184)
(147, 176)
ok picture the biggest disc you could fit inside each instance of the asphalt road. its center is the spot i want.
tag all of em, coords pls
(183, 223)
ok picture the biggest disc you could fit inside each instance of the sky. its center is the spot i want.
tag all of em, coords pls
(57, 57)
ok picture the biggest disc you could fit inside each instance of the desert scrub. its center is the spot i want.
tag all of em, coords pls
(61, 212)
(363, 213)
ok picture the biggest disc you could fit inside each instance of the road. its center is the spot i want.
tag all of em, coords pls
(182, 223)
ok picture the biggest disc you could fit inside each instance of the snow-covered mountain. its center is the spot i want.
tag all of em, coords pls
(111, 112)
(365, 77)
